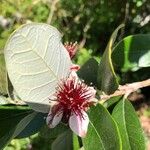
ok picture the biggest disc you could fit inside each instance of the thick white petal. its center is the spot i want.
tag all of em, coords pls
(78, 124)
(53, 121)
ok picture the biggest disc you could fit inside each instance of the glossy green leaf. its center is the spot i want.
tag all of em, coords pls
(108, 103)
(63, 142)
(102, 133)
(24, 123)
(129, 126)
(133, 52)
(13, 120)
(34, 126)
(88, 72)
(3, 90)
(36, 60)
(76, 145)
(107, 80)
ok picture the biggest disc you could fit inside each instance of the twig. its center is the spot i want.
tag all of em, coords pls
(85, 30)
(127, 89)
(52, 10)
(125, 20)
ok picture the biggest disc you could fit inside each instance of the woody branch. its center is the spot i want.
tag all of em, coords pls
(126, 89)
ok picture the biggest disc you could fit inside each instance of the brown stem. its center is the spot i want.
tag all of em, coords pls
(127, 89)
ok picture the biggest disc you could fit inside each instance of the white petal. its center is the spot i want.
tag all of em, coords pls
(93, 91)
(53, 121)
(78, 124)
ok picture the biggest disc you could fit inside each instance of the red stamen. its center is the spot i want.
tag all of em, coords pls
(72, 96)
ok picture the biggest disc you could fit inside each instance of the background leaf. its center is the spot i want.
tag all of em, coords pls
(107, 80)
(133, 52)
(34, 126)
(88, 72)
(36, 60)
(102, 133)
(63, 142)
(13, 120)
(50, 133)
(129, 126)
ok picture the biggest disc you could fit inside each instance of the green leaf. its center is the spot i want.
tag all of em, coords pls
(13, 120)
(34, 126)
(102, 133)
(49, 133)
(132, 53)
(108, 103)
(107, 80)
(63, 141)
(88, 72)
(76, 145)
(2, 75)
(129, 126)
(23, 123)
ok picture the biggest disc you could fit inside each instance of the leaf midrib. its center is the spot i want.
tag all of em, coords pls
(97, 135)
(124, 121)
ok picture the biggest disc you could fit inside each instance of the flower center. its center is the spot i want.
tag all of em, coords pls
(73, 96)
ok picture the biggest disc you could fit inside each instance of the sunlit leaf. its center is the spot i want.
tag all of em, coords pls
(102, 133)
(107, 80)
(133, 52)
(129, 126)
(76, 145)
(36, 60)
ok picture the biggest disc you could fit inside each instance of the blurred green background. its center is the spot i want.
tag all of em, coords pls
(89, 22)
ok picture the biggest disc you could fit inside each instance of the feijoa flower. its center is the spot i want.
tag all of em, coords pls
(72, 99)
